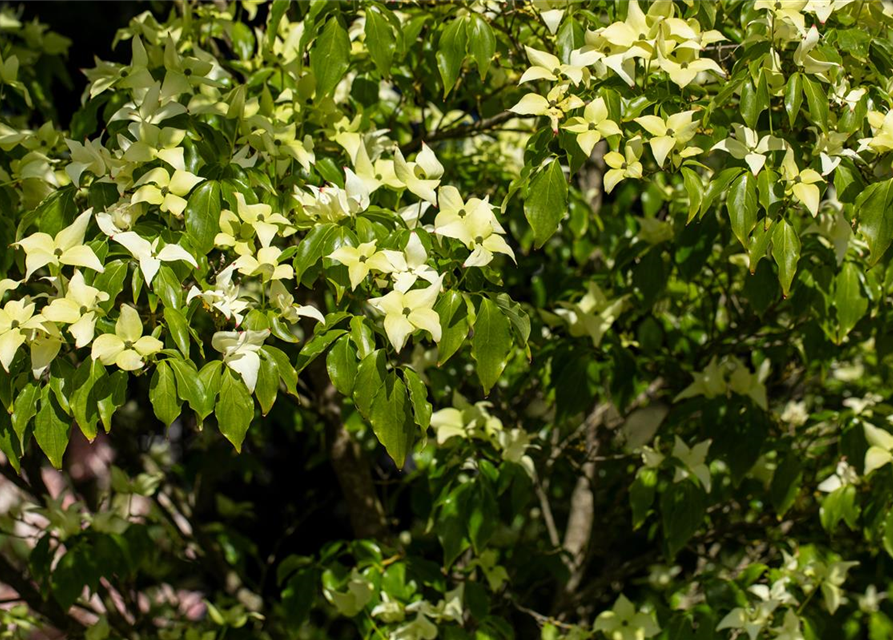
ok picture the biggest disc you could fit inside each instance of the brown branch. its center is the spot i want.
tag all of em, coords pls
(367, 516)
(463, 131)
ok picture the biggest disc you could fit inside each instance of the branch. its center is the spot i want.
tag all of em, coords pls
(462, 131)
(367, 516)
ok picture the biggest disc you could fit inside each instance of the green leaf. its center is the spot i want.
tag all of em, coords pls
(451, 53)
(210, 376)
(483, 511)
(362, 336)
(492, 343)
(341, 363)
(759, 243)
(641, 494)
(516, 315)
(235, 408)
(742, 205)
(454, 324)
(418, 394)
(111, 393)
(287, 373)
(189, 385)
(315, 347)
(52, 428)
(849, 300)
(163, 394)
(786, 483)
(718, 185)
(817, 102)
(786, 253)
(311, 248)
(793, 97)
(178, 328)
(203, 215)
(481, 43)
(380, 40)
(330, 57)
(9, 442)
(277, 11)
(24, 408)
(694, 187)
(839, 505)
(391, 419)
(267, 383)
(872, 212)
(112, 282)
(682, 508)
(84, 399)
(750, 105)
(546, 202)
(370, 378)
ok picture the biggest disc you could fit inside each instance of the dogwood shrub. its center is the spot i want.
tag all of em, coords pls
(438, 320)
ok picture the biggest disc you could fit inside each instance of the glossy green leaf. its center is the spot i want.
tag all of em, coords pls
(52, 428)
(742, 206)
(546, 202)
(202, 215)
(391, 419)
(163, 394)
(234, 409)
(451, 52)
(786, 253)
(330, 57)
(492, 343)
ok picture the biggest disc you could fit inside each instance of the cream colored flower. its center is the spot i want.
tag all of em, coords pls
(165, 190)
(127, 347)
(406, 312)
(67, 247)
(78, 309)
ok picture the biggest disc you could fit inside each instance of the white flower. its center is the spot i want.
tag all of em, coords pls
(623, 622)
(127, 347)
(406, 312)
(67, 247)
(148, 254)
(239, 349)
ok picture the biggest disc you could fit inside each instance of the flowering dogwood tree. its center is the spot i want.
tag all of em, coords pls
(420, 320)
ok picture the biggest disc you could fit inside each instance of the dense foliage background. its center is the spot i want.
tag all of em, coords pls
(425, 320)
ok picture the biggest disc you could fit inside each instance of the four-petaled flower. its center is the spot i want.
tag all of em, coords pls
(624, 622)
(239, 349)
(127, 347)
(67, 247)
(406, 312)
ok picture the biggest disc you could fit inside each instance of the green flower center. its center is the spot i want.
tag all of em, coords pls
(624, 166)
(278, 143)
(406, 311)
(128, 344)
(363, 259)
(164, 191)
(556, 71)
(260, 217)
(83, 310)
(187, 72)
(684, 65)
(671, 133)
(378, 176)
(123, 73)
(593, 126)
(797, 180)
(58, 253)
(14, 324)
(462, 213)
(479, 239)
